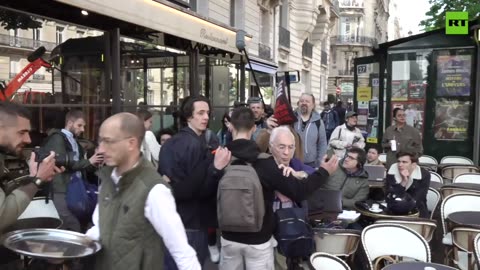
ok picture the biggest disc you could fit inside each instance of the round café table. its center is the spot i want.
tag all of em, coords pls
(417, 266)
(465, 218)
(379, 215)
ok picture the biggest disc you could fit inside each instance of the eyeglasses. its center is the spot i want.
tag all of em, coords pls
(108, 141)
(350, 157)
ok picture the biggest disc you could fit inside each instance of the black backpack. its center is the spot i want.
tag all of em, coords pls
(293, 232)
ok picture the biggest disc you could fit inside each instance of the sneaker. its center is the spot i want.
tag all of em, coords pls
(214, 253)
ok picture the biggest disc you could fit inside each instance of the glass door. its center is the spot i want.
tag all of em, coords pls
(369, 98)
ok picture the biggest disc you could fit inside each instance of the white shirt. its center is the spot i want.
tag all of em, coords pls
(150, 146)
(160, 210)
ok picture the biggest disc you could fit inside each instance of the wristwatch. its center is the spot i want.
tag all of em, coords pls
(38, 182)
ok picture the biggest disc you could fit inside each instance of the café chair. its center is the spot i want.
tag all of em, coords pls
(456, 160)
(471, 178)
(429, 161)
(455, 203)
(393, 242)
(446, 191)
(463, 247)
(452, 171)
(433, 198)
(476, 248)
(435, 177)
(325, 261)
(423, 226)
(338, 242)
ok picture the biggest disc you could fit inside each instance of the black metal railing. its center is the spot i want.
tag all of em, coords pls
(264, 52)
(347, 39)
(345, 72)
(324, 56)
(307, 49)
(284, 37)
(25, 43)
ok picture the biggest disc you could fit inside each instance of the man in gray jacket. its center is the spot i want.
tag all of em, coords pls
(311, 129)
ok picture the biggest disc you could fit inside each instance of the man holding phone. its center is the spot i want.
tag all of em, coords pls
(401, 137)
(65, 142)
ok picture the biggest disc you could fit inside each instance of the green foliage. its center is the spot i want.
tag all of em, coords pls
(13, 20)
(436, 14)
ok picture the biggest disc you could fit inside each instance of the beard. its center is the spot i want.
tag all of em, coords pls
(12, 150)
(304, 109)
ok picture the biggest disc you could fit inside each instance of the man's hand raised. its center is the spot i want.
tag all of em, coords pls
(331, 165)
(222, 158)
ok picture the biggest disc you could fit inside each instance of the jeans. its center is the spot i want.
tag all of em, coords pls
(198, 240)
(238, 256)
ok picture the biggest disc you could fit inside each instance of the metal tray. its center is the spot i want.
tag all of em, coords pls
(50, 243)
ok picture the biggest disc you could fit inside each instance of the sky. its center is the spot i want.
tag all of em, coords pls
(411, 12)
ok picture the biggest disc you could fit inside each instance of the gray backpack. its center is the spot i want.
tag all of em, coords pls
(240, 203)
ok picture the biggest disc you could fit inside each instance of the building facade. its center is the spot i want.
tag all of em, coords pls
(363, 24)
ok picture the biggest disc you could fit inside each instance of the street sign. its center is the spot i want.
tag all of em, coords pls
(361, 69)
(293, 75)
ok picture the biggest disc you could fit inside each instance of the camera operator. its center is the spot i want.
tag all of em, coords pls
(14, 135)
(70, 152)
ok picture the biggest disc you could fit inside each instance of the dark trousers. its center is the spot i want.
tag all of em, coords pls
(198, 240)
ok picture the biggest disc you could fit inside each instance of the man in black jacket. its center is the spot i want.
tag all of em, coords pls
(188, 163)
(254, 251)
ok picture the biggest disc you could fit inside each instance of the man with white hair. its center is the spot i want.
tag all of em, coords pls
(311, 129)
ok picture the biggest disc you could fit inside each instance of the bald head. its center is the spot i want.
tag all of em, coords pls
(128, 124)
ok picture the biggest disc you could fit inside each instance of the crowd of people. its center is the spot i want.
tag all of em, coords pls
(161, 201)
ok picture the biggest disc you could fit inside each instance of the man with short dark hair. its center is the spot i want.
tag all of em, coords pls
(135, 216)
(350, 178)
(254, 250)
(401, 137)
(64, 142)
(193, 168)
(14, 135)
(372, 156)
(406, 181)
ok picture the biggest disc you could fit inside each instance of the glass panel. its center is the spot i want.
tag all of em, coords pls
(409, 86)
(367, 98)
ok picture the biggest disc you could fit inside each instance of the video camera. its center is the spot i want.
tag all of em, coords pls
(61, 160)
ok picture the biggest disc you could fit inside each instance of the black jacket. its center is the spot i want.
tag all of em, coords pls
(272, 179)
(187, 160)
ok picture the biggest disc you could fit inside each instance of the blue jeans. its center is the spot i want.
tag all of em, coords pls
(198, 240)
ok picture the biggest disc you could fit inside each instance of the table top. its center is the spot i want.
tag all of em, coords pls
(465, 218)
(383, 214)
(417, 266)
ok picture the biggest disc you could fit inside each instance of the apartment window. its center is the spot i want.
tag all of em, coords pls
(59, 34)
(80, 34)
(36, 34)
(264, 27)
(284, 14)
(232, 12)
(306, 80)
(351, 27)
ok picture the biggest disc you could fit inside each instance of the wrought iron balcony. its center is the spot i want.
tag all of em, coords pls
(352, 40)
(264, 52)
(347, 72)
(324, 56)
(25, 43)
(307, 49)
(284, 37)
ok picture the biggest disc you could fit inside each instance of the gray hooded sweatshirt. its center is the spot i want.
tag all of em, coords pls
(313, 137)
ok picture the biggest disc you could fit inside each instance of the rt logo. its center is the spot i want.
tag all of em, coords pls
(457, 23)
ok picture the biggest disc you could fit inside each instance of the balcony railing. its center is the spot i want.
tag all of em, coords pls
(38, 77)
(25, 43)
(346, 72)
(324, 56)
(284, 37)
(307, 49)
(264, 52)
(352, 40)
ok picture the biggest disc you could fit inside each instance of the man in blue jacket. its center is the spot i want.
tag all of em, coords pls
(193, 168)
(311, 129)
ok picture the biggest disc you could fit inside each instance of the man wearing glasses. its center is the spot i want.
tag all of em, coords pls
(401, 137)
(136, 214)
(350, 178)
